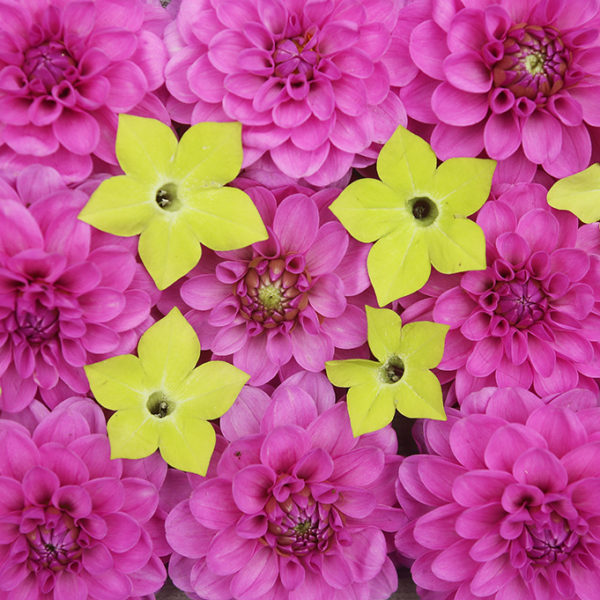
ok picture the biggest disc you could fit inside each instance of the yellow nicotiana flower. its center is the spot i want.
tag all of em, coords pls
(399, 379)
(162, 400)
(173, 195)
(416, 215)
(579, 194)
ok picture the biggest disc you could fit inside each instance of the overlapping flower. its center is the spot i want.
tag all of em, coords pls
(66, 69)
(289, 297)
(297, 509)
(531, 318)
(68, 295)
(504, 506)
(517, 80)
(310, 81)
(73, 526)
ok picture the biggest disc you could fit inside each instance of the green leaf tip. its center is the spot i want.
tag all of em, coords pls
(416, 215)
(400, 379)
(579, 194)
(162, 399)
(173, 195)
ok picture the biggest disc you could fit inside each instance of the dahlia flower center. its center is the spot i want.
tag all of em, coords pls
(167, 198)
(36, 322)
(551, 541)
(296, 55)
(159, 405)
(533, 62)
(392, 370)
(303, 530)
(521, 303)
(48, 64)
(273, 291)
(54, 545)
(423, 209)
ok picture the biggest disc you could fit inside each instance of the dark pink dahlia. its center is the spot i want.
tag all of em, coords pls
(504, 505)
(290, 298)
(531, 318)
(72, 523)
(296, 511)
(69, 296)
(516, 80)
(310, 81)
(67, 68)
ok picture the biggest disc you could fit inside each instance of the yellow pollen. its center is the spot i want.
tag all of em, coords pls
(270, 296)
(534, 63)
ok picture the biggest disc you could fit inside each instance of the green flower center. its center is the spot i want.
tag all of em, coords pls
(534, 63)
(166, 197)
(423, 209)
(270, 297)
(393, 370)
(159, 405)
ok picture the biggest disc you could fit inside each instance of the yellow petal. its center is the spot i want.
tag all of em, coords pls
(422, 344)
(209, 155)
(187, 444)
(463, 184)
(169, 249)
(419, 395)
(456, 245)
(370, 408)
(145, 148)
(369, 209)
(169, 351)
(398, 264)
(355, 371)
(407, 162)
(209, 390)
(118, 382)
(223, 218)
(579, 194)
(121, 206)
(133, 433)
(384, 328)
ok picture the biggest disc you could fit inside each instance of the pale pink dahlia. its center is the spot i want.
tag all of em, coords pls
(310, 81)
(72, 523)
(291, 298)
(515, 80)
(67, 68)
(69, 296)
(505, 505)
(532, 317)
(296, 511)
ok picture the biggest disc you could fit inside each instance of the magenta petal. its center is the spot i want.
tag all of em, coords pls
(311, 351)
(508, 443)
(228, 552)
(327, 296)
(502, 135)
(454, 563)
(257, 576)
(575, 152)
(542, 137)
(457, 107)
(250, 488)
(212, 504)
(296, 223)
(448, 140)
(467, 71)
(485, 357)
(428, 48)
(77, 131)
(435, 529)
(70, 585)
(39, 485)
(298, 163)
(282, 448)
(360, 467)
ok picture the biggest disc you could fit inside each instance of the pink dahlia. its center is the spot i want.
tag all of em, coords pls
(67, 68)
(532, 317)
(73, 526)
(69, 296)
(517, 80)
(310, 81)
(296, 511)
(505, 505)
(288, 299)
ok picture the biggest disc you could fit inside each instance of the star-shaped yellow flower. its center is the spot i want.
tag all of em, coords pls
(400, 378)
(173, 195)
(417, 215)
(162, 400)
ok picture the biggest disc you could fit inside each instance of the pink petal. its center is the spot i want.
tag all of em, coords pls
(448, 140)
(485, 357)
(542, 137)
(466, 71)
(327, 296)
(296, 223)
(428, 48)
(311, 351)
(228, 552)
(501, 135)
(250, 488)
(257, 576)
(457, 107)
